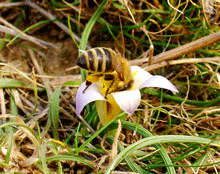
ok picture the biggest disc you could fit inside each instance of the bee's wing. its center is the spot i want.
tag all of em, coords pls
(121, 66)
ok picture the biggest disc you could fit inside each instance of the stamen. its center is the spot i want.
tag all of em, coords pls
(134, 73)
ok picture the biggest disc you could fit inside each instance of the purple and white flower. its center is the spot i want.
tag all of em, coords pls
(127, 100)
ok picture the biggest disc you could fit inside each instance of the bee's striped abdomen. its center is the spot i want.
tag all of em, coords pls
(97, 60)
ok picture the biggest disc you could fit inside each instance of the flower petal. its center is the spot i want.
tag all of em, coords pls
(107, 110)
(140, 76)
(128, 101)
(160, 82)
(91, 94)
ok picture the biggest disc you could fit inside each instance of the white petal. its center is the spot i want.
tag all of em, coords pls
(128, 101)
(140, 77)
(91, 94)
(160, 82)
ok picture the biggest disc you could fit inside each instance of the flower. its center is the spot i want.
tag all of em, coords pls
(128, 100)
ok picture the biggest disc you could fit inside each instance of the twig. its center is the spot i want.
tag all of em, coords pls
(115, 143)
(2, 102)
(168, 2)
(20, 73)
(31, 123)
(151, 54)
(50, 16)
(11, 4)
(15, 31)
(182, 61)
(187, 48)
(71, 6)
(38, 68)
(179, 51)
(36, 64)
(39, 42)
(29, 104)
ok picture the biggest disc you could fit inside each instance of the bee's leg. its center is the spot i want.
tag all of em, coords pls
(91, 79)
(109, 77)
(87, 85)
(107, 91)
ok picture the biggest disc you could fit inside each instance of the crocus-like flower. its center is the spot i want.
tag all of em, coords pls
(128, 100)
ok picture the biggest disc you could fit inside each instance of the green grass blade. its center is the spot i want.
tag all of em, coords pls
(43, 158)
(62, 5)
(14, 108)
(10, 145)
(131, 163)
(3, 138)
(12, 83)
(33, 136)
(16, 24)
(145, 133)
(55, 112)
(155, 140)
(54, 148)
(70, 158)
(27, 29)
(180, 100)
(72, 83)
(95, 135)
(203, 159)
(49, 120)
(71, 31)
(87, 31)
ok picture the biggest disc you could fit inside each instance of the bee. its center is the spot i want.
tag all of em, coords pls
(107, 64)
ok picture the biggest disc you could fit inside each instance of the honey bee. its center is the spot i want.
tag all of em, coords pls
(107, 64)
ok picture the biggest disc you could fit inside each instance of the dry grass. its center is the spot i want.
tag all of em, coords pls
(40, 132)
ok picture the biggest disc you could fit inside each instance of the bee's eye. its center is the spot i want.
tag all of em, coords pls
(128, 86)
(108, 77)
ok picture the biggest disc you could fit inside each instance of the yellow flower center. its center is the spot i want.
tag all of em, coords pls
(110, 83)
(109, 109)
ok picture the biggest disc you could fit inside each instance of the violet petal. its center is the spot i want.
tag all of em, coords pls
(128, 101)
(160, 82)
(91, 94)
(140, 76)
